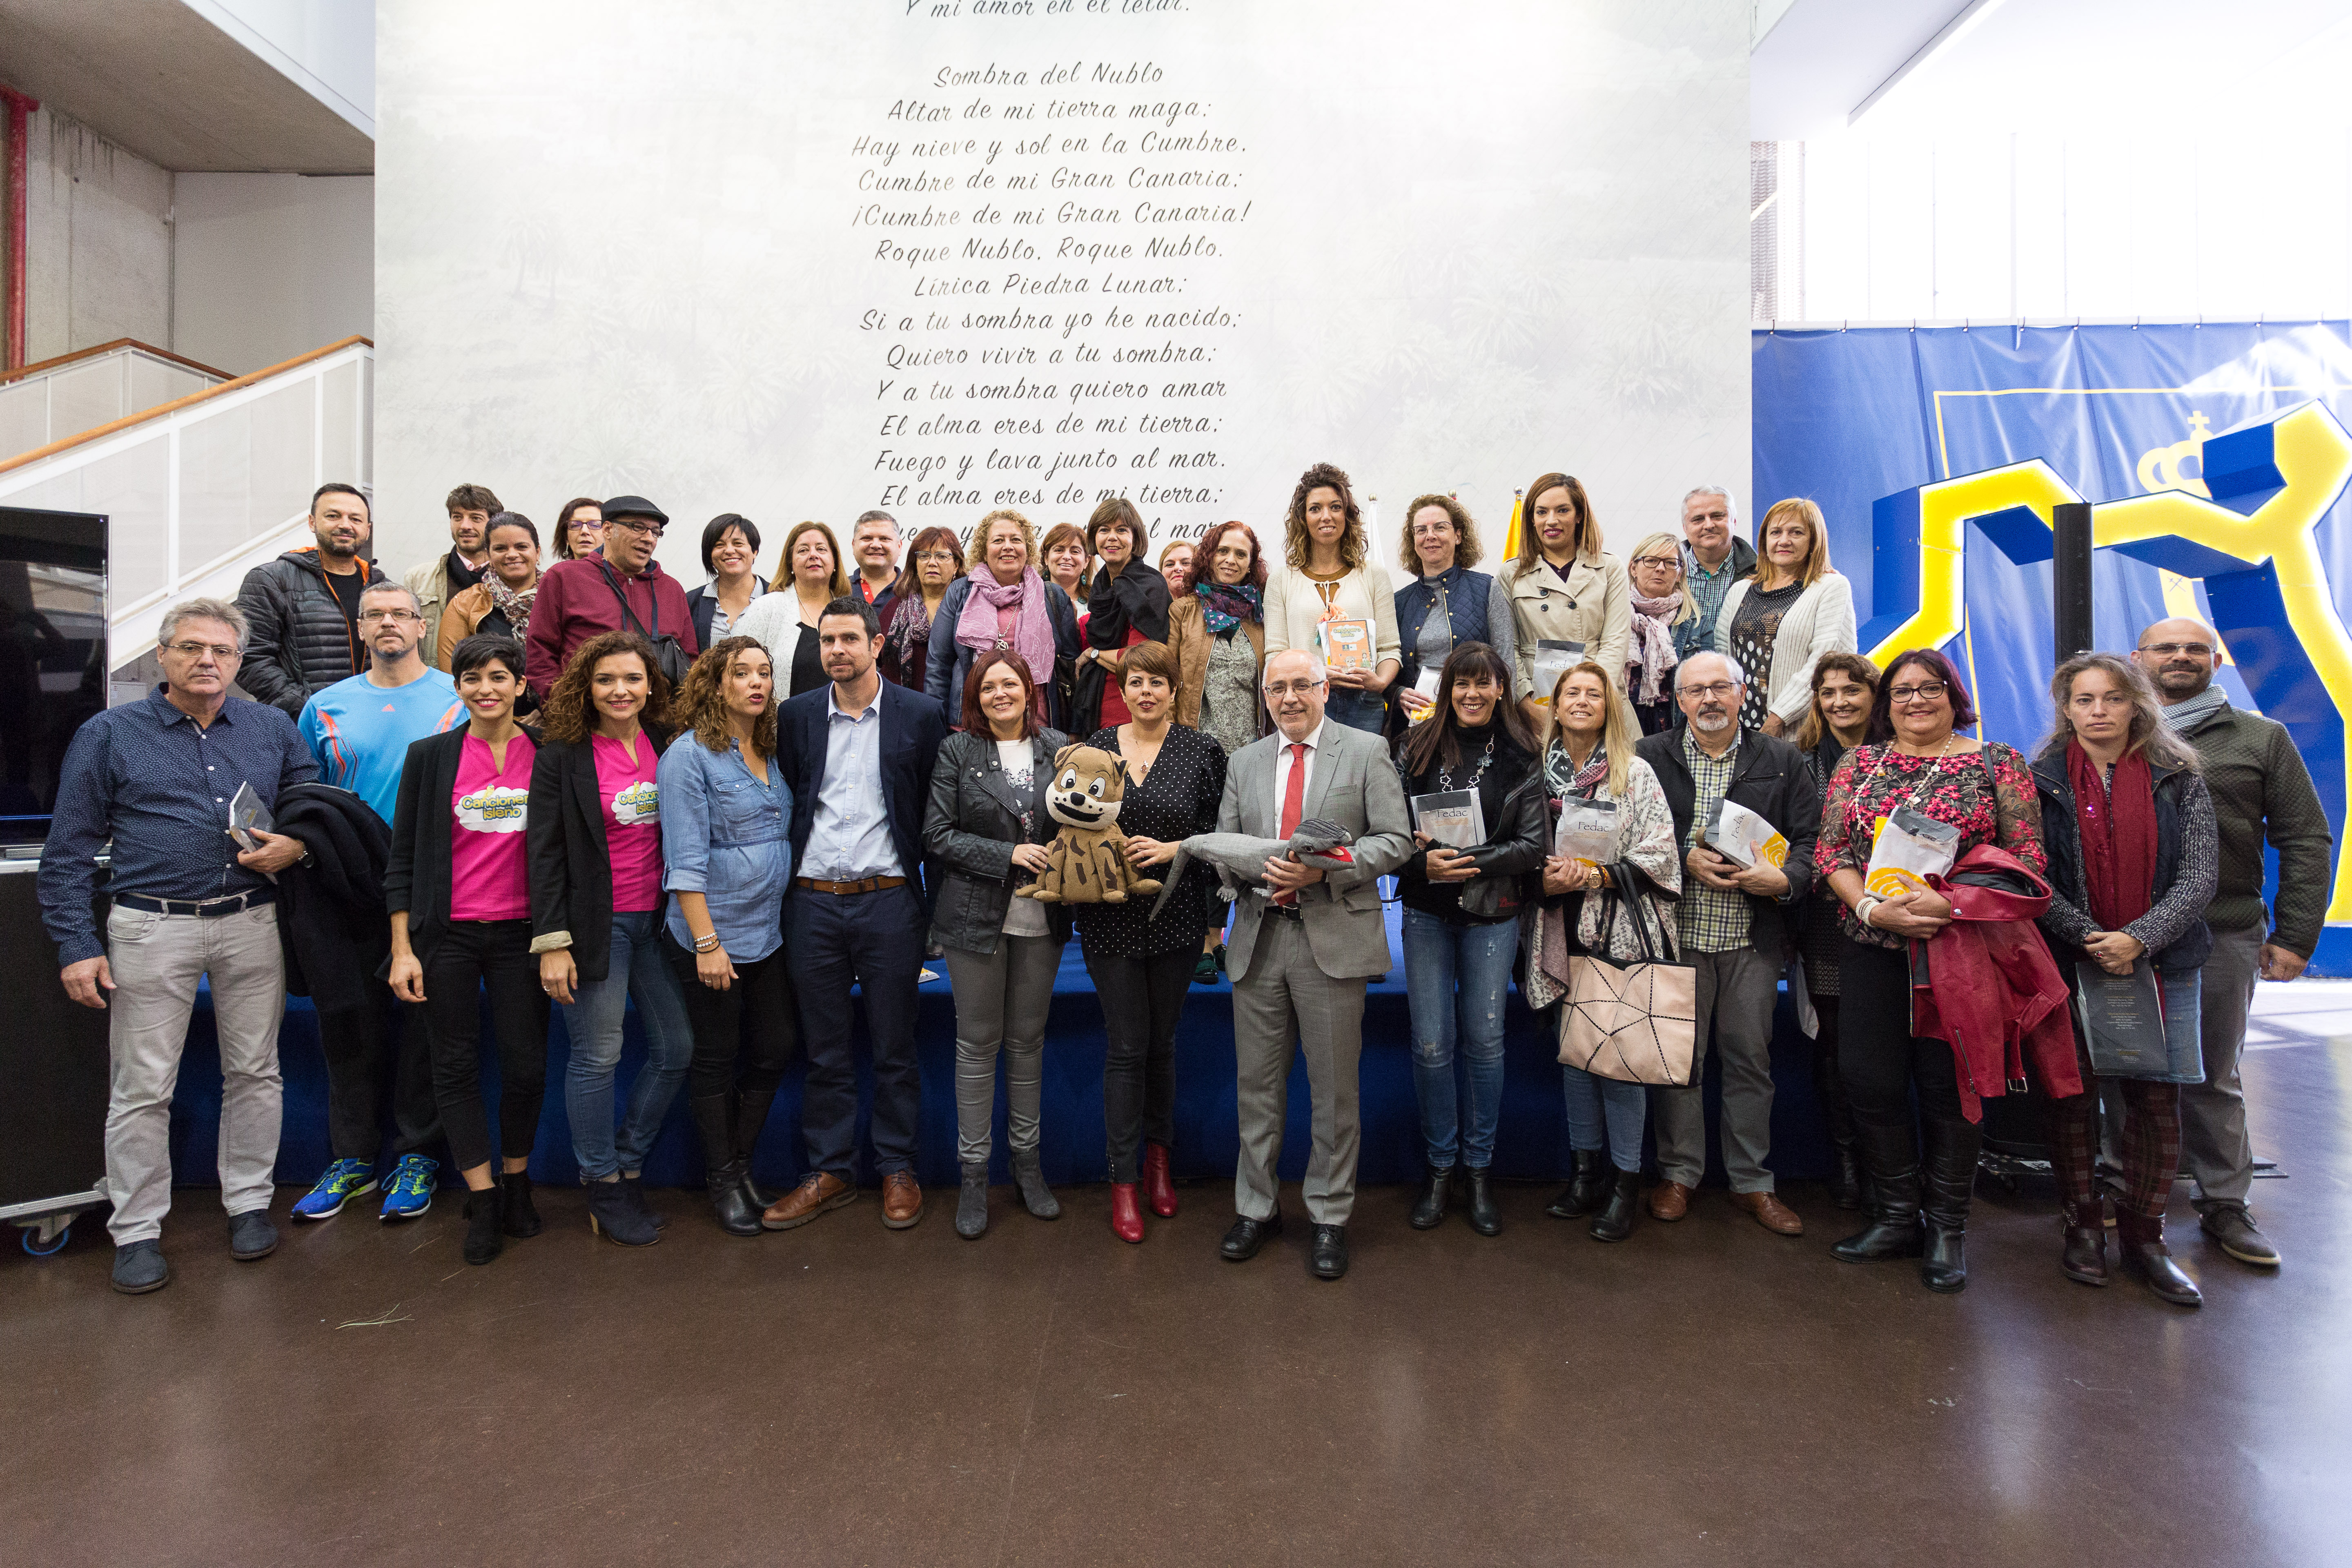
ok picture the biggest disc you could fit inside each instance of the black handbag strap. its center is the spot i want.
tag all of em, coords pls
(629, 616)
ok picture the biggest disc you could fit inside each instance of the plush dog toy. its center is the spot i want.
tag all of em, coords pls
(1087, 861)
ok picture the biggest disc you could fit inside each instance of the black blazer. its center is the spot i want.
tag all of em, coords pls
(570, 863)
(417, 877)
(971, 828)
(914, 728)
(1773, 780)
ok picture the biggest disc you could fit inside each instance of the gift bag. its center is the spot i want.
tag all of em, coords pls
(1635, 1022)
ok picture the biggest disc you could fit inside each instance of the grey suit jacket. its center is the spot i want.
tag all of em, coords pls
(1355, 784)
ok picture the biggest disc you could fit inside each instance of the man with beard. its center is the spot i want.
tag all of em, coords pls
(1730, 920)
(304, 607)
(443, 578)
(2261, 794)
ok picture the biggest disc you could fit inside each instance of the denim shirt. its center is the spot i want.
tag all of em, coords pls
(724, 836)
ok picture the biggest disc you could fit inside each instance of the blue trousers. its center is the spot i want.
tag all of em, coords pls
(1606, 1114)
(1456, 977)
(874, 941)
(593, 1018)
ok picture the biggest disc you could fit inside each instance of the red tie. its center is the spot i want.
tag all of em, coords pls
(1294, 802)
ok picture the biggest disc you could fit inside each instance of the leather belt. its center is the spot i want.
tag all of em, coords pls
(1290, 912)
(203, 909)
(863, 885)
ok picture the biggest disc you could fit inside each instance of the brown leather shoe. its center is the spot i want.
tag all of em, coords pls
(823, 1190)
(1771, 1212)
(902, 1200)
(1669, 1201)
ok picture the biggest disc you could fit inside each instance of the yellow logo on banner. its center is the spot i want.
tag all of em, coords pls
(2160, 467)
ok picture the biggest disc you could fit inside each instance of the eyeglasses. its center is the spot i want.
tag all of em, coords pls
(220, 651)
(1431, 530)
(2168, 649)
(1657, 560)
(1716, 690)
(1926, 691)
(1288, 687)
(390, 616)
(635, 525)
(937, 557)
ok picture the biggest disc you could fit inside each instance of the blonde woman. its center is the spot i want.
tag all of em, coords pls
(1565, 588)
(1778, 623)
(1591, 756)
(810, 574)
(1328, 573)
(1017, 611)
(1662, 608)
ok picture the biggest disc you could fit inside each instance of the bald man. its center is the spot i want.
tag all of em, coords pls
(2261, 796)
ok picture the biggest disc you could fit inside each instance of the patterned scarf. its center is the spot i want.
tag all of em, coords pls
(1226, 607)
(2181, 715)
(515, 606)
(1033, 632)
(910, 630)
(1653, 644)
(1563, 778)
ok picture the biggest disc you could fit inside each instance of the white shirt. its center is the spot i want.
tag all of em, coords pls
(1282, 772)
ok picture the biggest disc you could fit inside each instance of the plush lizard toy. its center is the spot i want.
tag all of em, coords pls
(1088, 859)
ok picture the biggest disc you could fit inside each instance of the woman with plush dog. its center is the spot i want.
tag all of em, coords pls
(1142, 967)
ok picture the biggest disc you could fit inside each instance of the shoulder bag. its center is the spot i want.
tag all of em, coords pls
(1635, 1022)
(668, 651)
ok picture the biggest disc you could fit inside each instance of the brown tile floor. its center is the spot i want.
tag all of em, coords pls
(1703, 1394)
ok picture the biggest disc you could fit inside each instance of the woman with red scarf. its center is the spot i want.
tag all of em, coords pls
(2134, 858)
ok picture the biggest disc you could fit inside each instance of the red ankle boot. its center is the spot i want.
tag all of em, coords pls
(1125, 1219)
(1158, 1189)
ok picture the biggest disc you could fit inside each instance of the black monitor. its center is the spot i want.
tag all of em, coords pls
(53, 658)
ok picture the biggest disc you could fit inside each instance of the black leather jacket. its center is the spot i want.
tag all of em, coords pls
(301, 641)
(1514, 849)
(969, 831)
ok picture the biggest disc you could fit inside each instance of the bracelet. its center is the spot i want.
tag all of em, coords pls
(1862, 908)
(706, 943)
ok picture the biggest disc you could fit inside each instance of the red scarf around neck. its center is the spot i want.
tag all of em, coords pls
(2117, 830)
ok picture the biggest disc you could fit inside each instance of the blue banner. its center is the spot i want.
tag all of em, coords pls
(2218, 461)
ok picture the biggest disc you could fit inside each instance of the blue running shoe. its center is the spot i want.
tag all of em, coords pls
(409, 1192)
(341, 1182)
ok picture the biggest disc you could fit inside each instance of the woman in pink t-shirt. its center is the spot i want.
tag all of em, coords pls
(460, 900)
(596, 905)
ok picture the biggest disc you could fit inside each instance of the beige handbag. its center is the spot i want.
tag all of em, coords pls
(1635, 1022)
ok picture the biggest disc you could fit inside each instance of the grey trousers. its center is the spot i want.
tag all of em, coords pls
(2213, 1141)
(1286, 998)
(156, 961)
(1735, 995)
(1000, 1000)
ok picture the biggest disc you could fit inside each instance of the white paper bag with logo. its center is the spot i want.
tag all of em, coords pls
(1743, 837)
(1909, 848)
(1635, 1021)
(1587, 831)
(1453, 817)
(1548, 663)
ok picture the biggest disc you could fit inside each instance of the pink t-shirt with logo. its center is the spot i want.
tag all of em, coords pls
(487, 878)
(631, 805)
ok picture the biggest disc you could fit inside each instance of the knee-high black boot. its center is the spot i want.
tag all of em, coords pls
(1953, 1143)
(1890, 1153)
(1837, 1111)
(722, 1168)
(751, 1120)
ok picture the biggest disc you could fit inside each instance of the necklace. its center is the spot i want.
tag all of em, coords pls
(1445, 774)
(1926, 777)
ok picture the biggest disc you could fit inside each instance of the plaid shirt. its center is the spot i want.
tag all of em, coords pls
(1708, 590)
(1710, 920)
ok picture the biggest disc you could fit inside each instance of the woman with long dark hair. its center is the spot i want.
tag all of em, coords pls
(1127, 605)
(726, 859)
(1328, 574)
(1844, 687)
(1565, 588)
(459, 891)
(595, 849)
(2135, 856)
(1462, 911)
(1986, 790)
(934, 565)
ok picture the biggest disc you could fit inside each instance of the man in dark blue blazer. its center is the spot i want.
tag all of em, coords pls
(857, 754)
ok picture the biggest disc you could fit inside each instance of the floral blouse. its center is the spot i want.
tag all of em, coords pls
(1988, 795)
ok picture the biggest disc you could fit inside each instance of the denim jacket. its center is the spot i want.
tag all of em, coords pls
(723, 836)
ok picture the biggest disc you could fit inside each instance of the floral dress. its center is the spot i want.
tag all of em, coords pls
(1988, 795)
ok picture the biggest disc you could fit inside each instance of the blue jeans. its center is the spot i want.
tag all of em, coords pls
(1366, 710)
(1595, 1103)
(1456, 977)
(593, 1020)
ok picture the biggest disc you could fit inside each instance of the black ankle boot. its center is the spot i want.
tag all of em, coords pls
(1429, 1211)
(751, 1120)
(1484, 1217)
(1890, 1153)
(517, 1215)
(1615, 1220)
(972, 1202)
(1585, 1189)
(483, 1241)
(722, 1168)
(1948, 1181)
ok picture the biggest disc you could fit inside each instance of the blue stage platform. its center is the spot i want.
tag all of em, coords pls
(1532, 1141)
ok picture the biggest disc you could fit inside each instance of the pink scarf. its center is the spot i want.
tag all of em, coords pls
(1653, 645)
(1032, 631)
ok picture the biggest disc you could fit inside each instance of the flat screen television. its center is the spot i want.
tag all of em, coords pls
(53, 659)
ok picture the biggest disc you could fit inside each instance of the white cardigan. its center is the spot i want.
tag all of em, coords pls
(1820, 622)
(1294, 608)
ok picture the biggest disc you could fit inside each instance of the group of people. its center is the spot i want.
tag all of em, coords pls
(583, 785)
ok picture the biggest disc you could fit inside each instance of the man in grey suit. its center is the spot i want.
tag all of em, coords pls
(1303, 946)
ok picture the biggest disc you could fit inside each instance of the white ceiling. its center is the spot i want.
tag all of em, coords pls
(2104, 66)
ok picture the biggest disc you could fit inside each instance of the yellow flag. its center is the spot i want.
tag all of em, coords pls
(1511, 533)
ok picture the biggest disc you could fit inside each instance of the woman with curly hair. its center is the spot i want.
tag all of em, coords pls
(1003, 605)
(1565, 588)
(726, 859)
(1328, 574)
(595, 841)
(1127, 605)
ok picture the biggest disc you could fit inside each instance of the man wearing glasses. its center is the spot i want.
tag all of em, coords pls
(620, 588)
(1730, 921)
(2261, 796)
(360, 731)
(156, 777)
(304, 607)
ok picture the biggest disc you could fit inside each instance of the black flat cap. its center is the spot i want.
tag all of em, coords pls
(633, 506)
